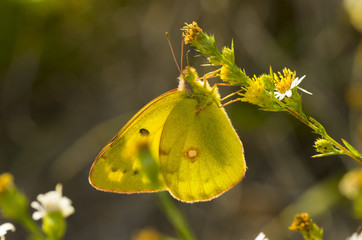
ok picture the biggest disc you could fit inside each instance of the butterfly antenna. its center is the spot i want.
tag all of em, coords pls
(187, 57)
(173, 54)
(182, 52)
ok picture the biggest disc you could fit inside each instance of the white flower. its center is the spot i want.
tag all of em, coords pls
(288, 92)
(52, 201)
(261, 236)
(355, 236)
(4, 228)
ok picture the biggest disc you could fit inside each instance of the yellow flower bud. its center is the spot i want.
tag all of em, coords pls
(301, 222)
(6, 181)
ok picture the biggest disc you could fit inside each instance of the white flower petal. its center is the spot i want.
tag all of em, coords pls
(355, 236)
(66, 206)
(4, 228)
(36, 205)
(288, 93)
(68, 211)
(279, 95)
(296, 82)
(38, 215)
(303, 90)
(40, 197)
(59, 189)
(52, 201)
(261, 236)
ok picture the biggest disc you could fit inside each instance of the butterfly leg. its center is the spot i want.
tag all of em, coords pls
(210, 75)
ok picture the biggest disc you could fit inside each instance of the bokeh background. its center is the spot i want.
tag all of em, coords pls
(73, 72)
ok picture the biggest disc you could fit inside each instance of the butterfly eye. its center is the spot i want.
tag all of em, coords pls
(144, 132)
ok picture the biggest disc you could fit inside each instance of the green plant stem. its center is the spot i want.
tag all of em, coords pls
(323, 134)
(31, 226)
(175, 217)
(345, 151)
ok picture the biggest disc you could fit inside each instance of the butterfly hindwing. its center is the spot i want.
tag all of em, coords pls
(201, 155)
(118, 167)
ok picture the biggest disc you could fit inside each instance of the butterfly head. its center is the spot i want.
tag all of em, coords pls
(187, 78)
(200, 90)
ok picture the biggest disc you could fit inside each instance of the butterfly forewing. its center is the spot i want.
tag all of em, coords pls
(118, 168)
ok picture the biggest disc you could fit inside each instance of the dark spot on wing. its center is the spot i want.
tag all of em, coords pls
(144, 132)
(163, 152)
(103, 157)
(135, 172)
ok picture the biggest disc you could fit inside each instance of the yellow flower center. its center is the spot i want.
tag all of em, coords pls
(283, 81)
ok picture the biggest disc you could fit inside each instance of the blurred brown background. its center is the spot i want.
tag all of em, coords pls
(73, 72)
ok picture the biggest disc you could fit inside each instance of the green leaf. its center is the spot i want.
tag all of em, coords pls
(326, 154)
(352, 149)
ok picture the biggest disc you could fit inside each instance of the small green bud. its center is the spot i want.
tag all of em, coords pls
(324, 146)
(6, 182)
(268, 82)
(13, 203)
(228, 54)
(54, 225)
(214, 61)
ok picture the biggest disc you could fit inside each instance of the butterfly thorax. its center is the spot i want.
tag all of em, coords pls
(196, 89)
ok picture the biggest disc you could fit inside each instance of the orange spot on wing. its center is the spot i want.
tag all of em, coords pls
(192, 154)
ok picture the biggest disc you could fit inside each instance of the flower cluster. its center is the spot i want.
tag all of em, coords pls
(268, 90)
(205, 44)
(191, 32)
(277, 86)
(52, 208)
(257, 93)
(303, 223)
(272, 92)
(285, 82)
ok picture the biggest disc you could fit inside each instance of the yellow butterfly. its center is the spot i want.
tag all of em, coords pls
(198, 154)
